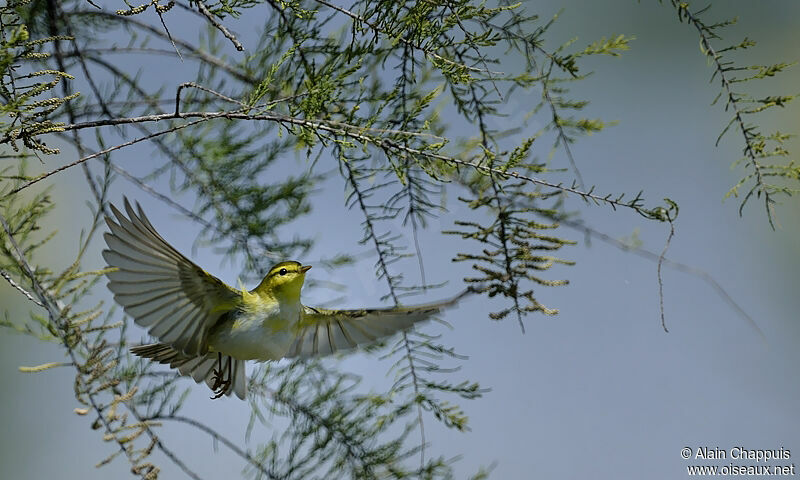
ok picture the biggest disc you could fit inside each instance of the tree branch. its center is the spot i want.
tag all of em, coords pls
(219, 26)
(220, 438)
(14, 284)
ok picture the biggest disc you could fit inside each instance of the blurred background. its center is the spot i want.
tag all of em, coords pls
(597, 391)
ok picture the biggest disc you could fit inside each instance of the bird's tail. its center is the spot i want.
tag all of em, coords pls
(200, 368)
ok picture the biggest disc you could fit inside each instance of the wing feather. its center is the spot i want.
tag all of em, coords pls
(147, 290)
(345, 335)
(322, 331)
(188, 366)
(134, 253)
(200, 368)
(141, 232)
(180, 329)
(123, 288)
(160, 288)
(203, 372)
(136, 239)
(329, 329)
(239, 379)
(171, 319)
(136, 277)
(157, 308)
(127, 263)
(149, 297)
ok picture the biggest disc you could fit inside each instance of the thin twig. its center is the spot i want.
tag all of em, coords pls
(402, 40)
(57, 320)
(668, 262)
(100, 153)
(185, 211)
(337, 128)
(241, 237)
(54, 13)
(14, 284)
(204, 89)
(206, 57)
(331, 126)
(219, 26)
(220, 438)
(478, 53)
(733, 102)
(383, 264)
(660, 280)
(586, 195)
(562, 135)
(169, 35)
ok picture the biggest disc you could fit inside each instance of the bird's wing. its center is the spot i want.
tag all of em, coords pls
(322, 331)
(177, 301)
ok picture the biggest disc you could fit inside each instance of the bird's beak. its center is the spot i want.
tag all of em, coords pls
(305, 268)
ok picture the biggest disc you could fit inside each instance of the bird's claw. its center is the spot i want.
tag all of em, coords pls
(220, 385)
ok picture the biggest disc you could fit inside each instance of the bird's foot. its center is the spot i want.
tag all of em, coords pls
(217, 379)
(220, 386)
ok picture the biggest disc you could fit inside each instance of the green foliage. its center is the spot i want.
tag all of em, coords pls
(764, 178)
(231, 7)
(333, 430)
(136, 10)
(612, 46)
(248, 211)
(82, 333)
(22, 86)
(516, 246)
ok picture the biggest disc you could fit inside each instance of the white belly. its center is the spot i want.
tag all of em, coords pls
(262, 335)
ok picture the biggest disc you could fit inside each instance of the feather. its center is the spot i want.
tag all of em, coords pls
(160, 288)
(323, 332)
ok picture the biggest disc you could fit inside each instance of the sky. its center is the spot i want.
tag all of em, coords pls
(597, 391)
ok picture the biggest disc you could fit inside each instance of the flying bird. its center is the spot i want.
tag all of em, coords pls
(207, 329)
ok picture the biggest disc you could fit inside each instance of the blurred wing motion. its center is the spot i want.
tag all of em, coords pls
(322, 331)
(177, 301)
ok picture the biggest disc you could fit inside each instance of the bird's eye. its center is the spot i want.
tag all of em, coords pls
(283, 271)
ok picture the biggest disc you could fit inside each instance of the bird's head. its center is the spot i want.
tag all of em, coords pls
(283, 281)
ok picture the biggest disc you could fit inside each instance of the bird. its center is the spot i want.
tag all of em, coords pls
(207, 329)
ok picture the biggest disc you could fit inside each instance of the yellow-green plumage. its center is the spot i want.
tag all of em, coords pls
(199, 320)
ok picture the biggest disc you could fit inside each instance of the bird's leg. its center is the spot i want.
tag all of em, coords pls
(221, 384)
(217, 373)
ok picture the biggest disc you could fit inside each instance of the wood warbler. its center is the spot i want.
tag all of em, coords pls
(207, 329)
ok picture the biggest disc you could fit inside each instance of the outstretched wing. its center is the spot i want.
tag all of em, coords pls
(177, 301)
(322, 331)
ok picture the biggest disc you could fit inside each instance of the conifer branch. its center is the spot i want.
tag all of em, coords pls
(563, 139)
(206, 57)
(54, 312)
(14, 284)
(391, 281)
(201, 6)
(218, 437)
(377, 29)
(755, 143)
(352, 131)
(657, 213)
(101, 153)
